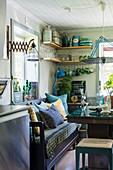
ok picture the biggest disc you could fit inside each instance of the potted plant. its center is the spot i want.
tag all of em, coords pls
(64, 86)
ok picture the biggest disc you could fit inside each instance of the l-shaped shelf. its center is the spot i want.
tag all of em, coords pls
(51, 44)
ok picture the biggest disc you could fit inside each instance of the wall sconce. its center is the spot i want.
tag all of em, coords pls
(29, 47)
(32, 54)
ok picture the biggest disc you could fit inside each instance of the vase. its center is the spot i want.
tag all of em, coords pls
(108, 100)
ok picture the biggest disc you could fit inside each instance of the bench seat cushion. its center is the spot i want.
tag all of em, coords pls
(55, 136)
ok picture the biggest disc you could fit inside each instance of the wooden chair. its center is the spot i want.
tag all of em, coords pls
(94, 146)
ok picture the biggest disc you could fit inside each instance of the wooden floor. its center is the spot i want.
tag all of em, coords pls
(68, 161)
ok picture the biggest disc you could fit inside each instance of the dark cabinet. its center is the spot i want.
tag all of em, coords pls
(73, 107)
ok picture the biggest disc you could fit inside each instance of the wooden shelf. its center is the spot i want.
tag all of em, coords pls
(51, 44)
(59, 61)
(52, 60)
(70, 61)
(76, 47)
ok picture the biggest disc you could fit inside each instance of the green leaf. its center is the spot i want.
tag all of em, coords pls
(111, 76)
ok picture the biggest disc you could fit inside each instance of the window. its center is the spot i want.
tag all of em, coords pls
(22, 69)
(105, 70)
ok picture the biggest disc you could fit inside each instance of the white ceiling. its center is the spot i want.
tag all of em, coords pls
(82, 14)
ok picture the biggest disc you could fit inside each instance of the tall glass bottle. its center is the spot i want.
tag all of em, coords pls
(24, 93)
(65, 41)
(99, 96)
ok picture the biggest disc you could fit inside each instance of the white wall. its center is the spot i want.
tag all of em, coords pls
(47, 70)
(93, 34)
(45, 73)
(47, 77)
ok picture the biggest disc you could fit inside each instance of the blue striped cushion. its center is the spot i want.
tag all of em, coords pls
(51, 117)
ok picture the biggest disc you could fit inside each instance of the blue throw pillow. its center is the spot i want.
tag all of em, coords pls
(51, 98)
(42, 106)
(51, 117)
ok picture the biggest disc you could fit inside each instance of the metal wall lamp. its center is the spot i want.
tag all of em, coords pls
(58, 74)
(29, 48)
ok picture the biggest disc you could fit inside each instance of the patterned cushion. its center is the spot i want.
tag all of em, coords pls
(36, 110)
(60, 108)
(51, 98)
(57, 135)
(33, 118)
(51, 117)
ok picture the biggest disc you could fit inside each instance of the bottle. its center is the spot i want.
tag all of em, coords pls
(99, 96)
(29, 87)
(14, 87)
(26, 89)
(65, 41)
(109, 102)
(24, 93)
(70, 43)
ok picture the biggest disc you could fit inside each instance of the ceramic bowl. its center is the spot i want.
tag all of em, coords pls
(105, 107)
(111, 111)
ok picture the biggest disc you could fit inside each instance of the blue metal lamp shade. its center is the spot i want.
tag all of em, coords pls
(58, 74)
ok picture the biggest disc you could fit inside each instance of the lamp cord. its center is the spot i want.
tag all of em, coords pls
(103, 31)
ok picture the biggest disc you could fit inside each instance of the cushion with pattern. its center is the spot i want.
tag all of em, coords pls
(51, 117)
(33, 118)
(60, 107)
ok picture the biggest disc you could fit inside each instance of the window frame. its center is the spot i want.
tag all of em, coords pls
(12, 24)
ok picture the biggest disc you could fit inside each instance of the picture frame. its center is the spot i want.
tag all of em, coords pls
(34, 90)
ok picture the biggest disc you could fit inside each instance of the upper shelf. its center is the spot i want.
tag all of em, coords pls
(51, 44)
(76, 47)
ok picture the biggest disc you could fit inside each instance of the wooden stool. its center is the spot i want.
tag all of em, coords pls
(94, 146)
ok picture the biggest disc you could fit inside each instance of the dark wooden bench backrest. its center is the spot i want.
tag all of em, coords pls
(38, 101)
